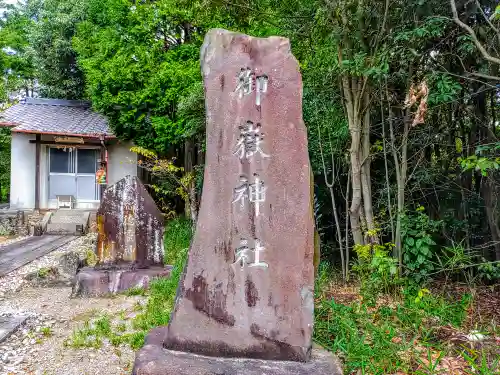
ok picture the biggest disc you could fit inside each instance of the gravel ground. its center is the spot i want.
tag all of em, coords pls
(38, 348)
(15, 280)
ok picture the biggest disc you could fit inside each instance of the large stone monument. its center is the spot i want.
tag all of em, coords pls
(246, 299)
(129, 242)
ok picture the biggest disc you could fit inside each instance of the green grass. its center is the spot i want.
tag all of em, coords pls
(46, 331)
(161, 299)
(178, 233)
(135, 291)
(380, 340)
(403, 334)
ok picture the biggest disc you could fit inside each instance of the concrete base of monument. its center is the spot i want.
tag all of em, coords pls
(153, 359)
(90, 282)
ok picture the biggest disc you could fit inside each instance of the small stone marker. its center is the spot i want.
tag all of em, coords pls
(129, 243)
(248, 288)
(129, 225)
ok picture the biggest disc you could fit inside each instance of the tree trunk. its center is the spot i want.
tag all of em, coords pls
(371, 235)
(347, 190)
(387, 181)
(401, 168)
(488, 187)
(330, 185)
(351, 101)
(398, 246)
(487, 191)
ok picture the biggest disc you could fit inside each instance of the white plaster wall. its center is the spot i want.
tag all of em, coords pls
(121, 162)
(22, 175)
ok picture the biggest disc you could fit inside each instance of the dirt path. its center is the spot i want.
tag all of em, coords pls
(48, 354)
(40, 347)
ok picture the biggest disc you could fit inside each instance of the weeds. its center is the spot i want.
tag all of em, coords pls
(122, 327)
(45, 272)
(85, 337)
(412, 330)
(135, 291)
(90, 257)
(46, 331)
(178, 235)
(481, 363)
(382, 340)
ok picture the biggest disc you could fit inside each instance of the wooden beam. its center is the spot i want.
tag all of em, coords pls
(37, 171)
(84, 145)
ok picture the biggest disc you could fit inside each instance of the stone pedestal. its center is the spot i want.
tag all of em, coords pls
(90, 282)
(153, 359)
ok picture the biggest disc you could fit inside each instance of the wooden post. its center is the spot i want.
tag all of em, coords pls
(37, 171)
(103, 158)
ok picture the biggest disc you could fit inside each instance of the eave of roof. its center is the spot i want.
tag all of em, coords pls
(8, 124)
(98, 135)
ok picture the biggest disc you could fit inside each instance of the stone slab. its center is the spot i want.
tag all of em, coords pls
(9, 324)
(17, 254)
(153, 359)
(90, 282)
(248, 288)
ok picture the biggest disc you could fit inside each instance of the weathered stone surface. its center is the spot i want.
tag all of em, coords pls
(130, 226)
(70, 262)
(90, 282)
(12, 222)
(250, 299)
(155, 360)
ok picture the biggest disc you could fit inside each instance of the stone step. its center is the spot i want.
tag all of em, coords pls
(66, 212)
(62, 228)
(69, 217)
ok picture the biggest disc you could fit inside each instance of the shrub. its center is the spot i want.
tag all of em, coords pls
(377, 271)
(418, 252)
(489, 270)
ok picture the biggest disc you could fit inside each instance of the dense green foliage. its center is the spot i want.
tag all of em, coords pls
(50, 39)
(16, 62)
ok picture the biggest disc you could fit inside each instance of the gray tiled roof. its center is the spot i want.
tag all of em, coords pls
(55, 116)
